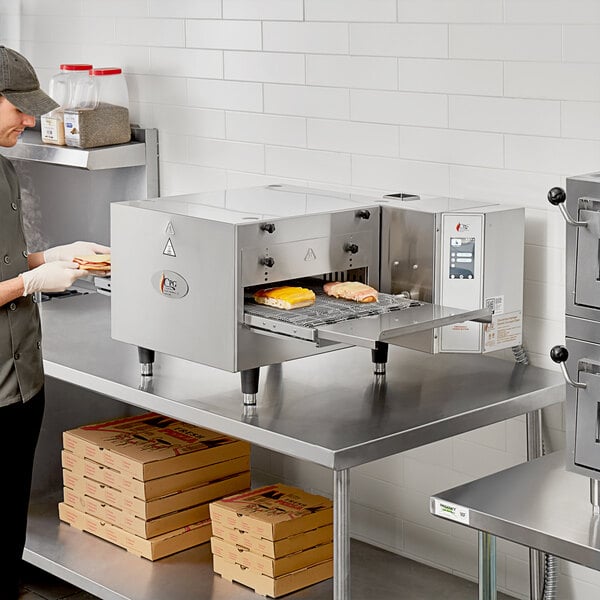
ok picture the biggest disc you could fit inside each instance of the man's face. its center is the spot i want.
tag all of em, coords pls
(12, 123)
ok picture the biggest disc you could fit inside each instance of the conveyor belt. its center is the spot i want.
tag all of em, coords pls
(327, 310)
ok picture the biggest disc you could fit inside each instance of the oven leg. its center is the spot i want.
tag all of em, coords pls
(250, 385)
(341, 535)
(146, 358)
(379, 357)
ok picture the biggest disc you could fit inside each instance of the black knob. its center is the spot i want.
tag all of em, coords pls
(351, 248)
(267, 261)
(556, 196)
(268, 227)
(559, 354)
(363, 214)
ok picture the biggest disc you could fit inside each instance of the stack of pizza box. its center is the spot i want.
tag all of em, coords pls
(145, 482)
(275, 539)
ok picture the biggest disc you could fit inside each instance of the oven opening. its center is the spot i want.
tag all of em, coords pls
(597, 422)
(313, 282)
(303, 322)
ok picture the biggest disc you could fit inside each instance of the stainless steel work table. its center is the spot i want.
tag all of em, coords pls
(326, 409)
(538, 504)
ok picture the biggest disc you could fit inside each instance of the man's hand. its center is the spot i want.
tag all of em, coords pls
(55, 276)
(70, 251)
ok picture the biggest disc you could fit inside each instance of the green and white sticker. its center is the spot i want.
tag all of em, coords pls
(449, 510)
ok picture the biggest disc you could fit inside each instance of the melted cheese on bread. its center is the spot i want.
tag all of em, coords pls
(286, 297)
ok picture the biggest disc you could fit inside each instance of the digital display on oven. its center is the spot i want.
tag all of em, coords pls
(462, 258)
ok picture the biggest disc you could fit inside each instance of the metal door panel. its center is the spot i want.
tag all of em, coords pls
(587, 276)
(587, 444)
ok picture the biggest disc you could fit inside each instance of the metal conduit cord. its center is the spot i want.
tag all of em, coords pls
(549, 584)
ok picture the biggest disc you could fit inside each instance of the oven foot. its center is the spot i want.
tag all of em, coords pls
(146, 358)
(250, 385)
(379, 357)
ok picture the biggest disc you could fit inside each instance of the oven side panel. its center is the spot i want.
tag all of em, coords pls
(173, 284)
(408, 262)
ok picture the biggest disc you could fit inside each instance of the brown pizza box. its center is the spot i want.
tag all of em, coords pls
(150, 445)
(272, 567)
(129, 522)
(273, 512)
(152, 549)
(277, 548)
(154, 488)
(150, 509)
(269, 586)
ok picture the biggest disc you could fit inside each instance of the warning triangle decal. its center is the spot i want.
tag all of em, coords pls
(310, 255)
(170, 230)
(169, 250)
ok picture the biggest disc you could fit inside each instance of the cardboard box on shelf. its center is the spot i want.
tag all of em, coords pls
(273, 512)
(149, 446)
(269, 586)
(154, 488)
(151, 509)
(152, 549)
(272, 567)
(131, 523)
(277, 548)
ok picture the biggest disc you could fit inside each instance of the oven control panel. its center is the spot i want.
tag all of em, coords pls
(461, 282)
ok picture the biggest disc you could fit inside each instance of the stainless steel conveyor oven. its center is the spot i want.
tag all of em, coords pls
(193, 262)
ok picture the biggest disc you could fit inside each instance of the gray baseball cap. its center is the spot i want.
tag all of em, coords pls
(20, 86)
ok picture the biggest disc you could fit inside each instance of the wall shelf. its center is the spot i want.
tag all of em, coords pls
(31, 148)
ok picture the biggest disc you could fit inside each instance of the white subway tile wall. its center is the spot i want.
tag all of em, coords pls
(494, 100)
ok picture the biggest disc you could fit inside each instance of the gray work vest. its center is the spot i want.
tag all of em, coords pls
(21, 370)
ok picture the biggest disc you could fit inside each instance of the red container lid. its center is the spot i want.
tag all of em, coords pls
(106, 71)
(76, 67)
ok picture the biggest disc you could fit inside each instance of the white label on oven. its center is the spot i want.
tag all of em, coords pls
(505, 331)
(496, 303)
(449, 510)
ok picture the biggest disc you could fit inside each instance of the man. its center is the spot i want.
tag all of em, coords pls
(21, 275)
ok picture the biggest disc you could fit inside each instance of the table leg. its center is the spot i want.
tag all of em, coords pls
(487, 566)
(341, 534)
(535, 450)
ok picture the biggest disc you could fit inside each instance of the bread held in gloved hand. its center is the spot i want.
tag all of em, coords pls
(54, 276)
(70, 251)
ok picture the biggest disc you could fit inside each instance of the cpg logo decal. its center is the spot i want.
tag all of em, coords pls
(170, 284)
(462, 227)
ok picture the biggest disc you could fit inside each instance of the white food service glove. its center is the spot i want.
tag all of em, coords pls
(55, 276)
(70, 251)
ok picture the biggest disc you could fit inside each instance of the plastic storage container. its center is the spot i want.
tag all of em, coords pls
(101, 115)
(61, 90)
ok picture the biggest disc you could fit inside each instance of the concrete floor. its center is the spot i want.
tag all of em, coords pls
(407, 580)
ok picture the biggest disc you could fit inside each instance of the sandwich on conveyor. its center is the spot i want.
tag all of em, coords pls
(351, 290)
(286, 297)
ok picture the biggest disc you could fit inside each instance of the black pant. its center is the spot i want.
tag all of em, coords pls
(21, 425)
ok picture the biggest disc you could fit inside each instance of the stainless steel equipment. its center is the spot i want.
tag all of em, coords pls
(185, 268)
(457, 252)
(582, 325)
(322, 409)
